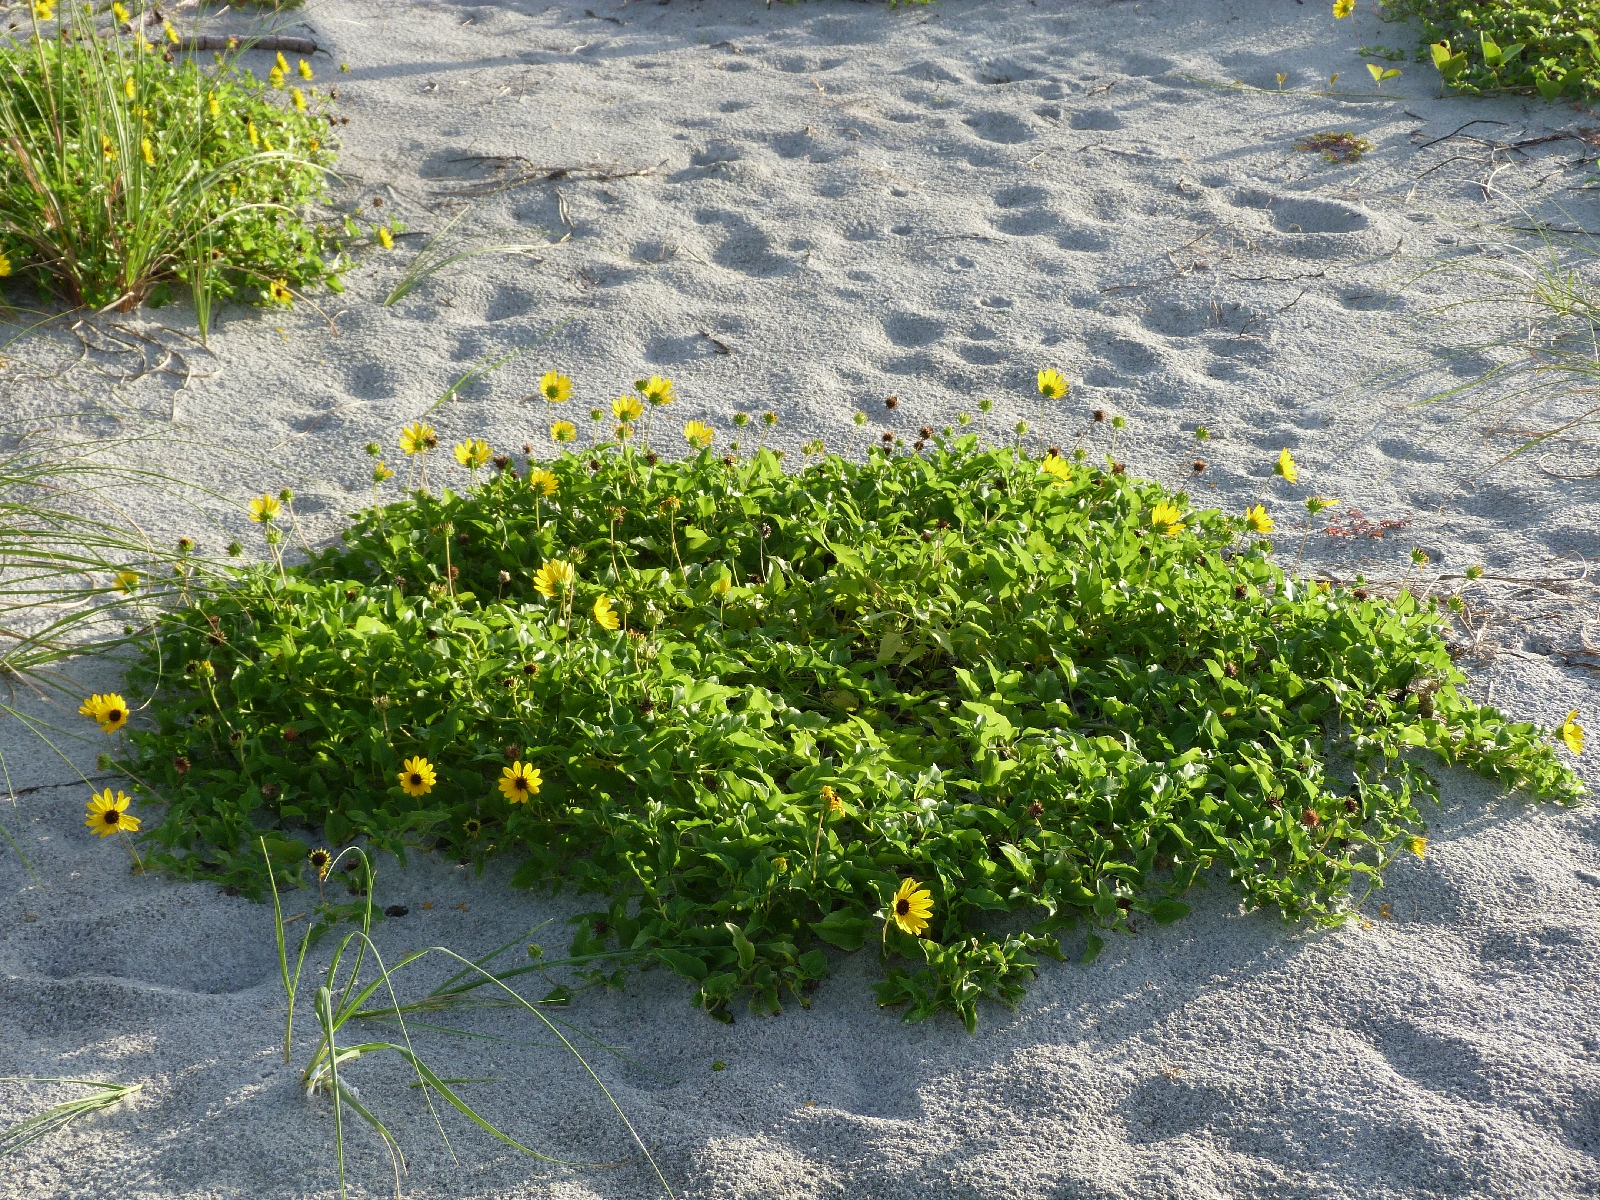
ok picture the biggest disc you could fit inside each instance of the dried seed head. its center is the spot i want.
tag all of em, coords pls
(886, 438)
(1360, 593)
(1351, 804)
(941, 523)
(512, 753)
(1240, 591)
(1231, 670)
(505, 578)
(269, 790)
(463, 539)
(927, 432)
(1035, 810)
(291, 734)
(530, 668)
(1099, 415)
(652, 458)
(1309, 819)
(1198, 466)
(181, 764)
(918, 445)
(502, 461)
(1118, 468)
(892, 403)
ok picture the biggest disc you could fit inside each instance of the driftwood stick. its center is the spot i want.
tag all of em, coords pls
(272, 42)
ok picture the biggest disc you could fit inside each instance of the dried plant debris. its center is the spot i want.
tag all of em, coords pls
(1336, 147)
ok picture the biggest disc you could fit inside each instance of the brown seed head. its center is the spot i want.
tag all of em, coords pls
(1198, 466)
(1099, 415)
(1240, 591)
(1035, 810)
(181, 764)
(1309, 819)
(892, 403)
(512, 753)
(291, 734)
(927, 433)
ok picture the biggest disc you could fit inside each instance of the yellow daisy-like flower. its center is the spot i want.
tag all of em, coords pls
(250, 128)
(321, 861)
(519, 781)
(627, 408)
(299, 99)
(563, 431)
(5, 264)
(43, 10)
(119, 12)
(106, 148)
(382, 472)
(418, 778)
(214, 106)
(699, 435)
(543, 482)
(172, 34)
(385, 237)
(418, 438)
(555, 387)
(128, 88)
(265, 509)
(109, 711)
(1315, 504)
(1056, 467)
(473, 453)
(1286, 466)
(282, 63)
(1165, 517)
(1343, 8)
(1418, 846)
(1053, 384)
(126, 582)
(913, 906)
(149, 154)
(656, 390)
(1572, 732)
(280, 292)
(605, 616)
(555, 578)
(1257, 520)
(275, 77)
(106, 813)
(305, 70)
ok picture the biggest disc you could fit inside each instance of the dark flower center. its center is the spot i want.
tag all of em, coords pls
(902, 907)
(111, 817)
(113, 715)
(416, 780)
(520, 783)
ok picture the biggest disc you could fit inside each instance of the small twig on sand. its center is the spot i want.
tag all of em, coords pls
(272, 42)
(595, 171)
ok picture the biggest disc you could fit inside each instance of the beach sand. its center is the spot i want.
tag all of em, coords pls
(844, 203)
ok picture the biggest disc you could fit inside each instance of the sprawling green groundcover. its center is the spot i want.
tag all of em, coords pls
(1551, 47)
(1050, 694)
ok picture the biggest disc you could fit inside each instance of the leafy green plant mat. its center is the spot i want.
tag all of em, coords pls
(1021, 692)
(1551, 47)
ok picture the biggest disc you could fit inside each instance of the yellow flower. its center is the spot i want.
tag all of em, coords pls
(126, 582)
(119, 12)
(282, 63)
(563, 431)
(627, 408)
(43, 9)
(149, 154)
(275, 77)
(1165, 517)
(304, 69)
(519, 781)
(1572, 732)
(1343, 8)
(1257, 520)
(418, 777)
(106, 147)
(722, 586)
(1418, 846)
(473, 453)
(1056, 467)
(250, 128)
(299, 98)
(604, 615)
(555, 578)
(1053, 384)
(385, 238)
(418, 438)
(382, 472)
(128, 88)
(543, 481)
(172, 34)
(264, 509)
(107, 813)
(699, 435)
(913, 905)
(5, 265)
(1286, 466)
(555, 387)
(1315, 504)
(321, 861)
(280, 292)
(656, 390)
(109, 711)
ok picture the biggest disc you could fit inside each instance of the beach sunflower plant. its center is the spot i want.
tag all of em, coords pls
(964, 708)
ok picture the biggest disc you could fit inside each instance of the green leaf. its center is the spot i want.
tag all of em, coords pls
(841, 929)
(687, 965)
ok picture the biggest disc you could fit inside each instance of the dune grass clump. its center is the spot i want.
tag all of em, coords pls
(949, 704)
(1548, 47)
(121, 171)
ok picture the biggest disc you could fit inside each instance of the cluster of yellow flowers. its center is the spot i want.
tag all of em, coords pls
(518, 782)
